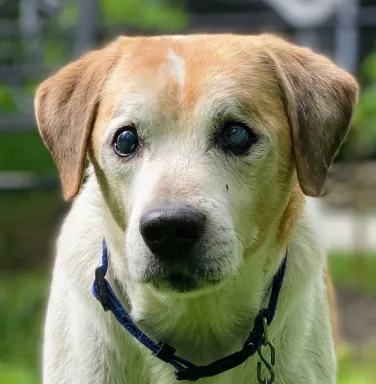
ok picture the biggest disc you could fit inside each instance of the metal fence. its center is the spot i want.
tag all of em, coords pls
(23, 28)
(25, 24)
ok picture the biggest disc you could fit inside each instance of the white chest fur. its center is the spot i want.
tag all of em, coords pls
(83, 344)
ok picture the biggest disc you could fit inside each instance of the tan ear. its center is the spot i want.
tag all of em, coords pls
(319, 99)
(66, 105)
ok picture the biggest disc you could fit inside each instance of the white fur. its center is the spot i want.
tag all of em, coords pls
(178, 67)
(84, 345)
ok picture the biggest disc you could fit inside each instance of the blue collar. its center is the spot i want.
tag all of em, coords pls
(185, 370)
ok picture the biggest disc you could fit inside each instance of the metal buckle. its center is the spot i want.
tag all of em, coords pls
(100, 285)
(269, 364)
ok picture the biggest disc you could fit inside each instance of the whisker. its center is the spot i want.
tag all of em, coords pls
(236, 233)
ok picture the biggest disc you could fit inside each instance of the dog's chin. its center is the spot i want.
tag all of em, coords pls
(185, 285)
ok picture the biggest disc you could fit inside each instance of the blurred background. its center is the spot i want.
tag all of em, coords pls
(39, 36)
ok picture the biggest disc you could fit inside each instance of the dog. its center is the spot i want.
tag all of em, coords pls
(202, 151)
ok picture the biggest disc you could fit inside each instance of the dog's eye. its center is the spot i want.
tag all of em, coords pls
(126, 142)
(237, 137)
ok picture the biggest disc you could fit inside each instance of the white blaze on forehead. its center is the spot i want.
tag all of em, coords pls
(177, 66)
(179, 37)
(173, 37)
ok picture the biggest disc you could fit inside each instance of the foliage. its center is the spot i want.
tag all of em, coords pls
(357, 367)
(28, 232)
(6, 99)
(32, 155)
(55, 46)
(16, 374)
(143, 14)
(361, 143)
(342, 269)
(22, 302)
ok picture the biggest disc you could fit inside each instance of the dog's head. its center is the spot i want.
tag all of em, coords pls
(198, 143)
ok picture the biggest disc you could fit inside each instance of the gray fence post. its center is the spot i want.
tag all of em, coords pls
(346, 33)
(86, 34)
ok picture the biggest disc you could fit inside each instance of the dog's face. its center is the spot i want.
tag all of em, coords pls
(196, 143)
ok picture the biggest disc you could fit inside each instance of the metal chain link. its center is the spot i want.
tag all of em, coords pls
(269, 364)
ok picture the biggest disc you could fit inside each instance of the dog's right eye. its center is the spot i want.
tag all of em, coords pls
(126, 142)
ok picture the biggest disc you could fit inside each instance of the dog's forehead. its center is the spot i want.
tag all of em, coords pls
(181, 71)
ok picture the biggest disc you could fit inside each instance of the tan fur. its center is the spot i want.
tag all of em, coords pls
(319, 101)
(66, 107)
(333, 307)
(178, 94)
(291, 215)
(75, 98)
(316, 93)
(290, 86)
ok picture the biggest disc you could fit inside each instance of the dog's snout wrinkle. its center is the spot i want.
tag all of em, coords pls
(172, 230)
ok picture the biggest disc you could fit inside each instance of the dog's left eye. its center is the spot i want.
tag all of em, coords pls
(125, 142)
(237, 137)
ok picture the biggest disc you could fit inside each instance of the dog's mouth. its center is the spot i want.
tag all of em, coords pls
(182, 283)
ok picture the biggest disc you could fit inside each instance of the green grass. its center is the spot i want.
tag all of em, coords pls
(22, 302)
(16, 374)
(358, 273)
(357, 367)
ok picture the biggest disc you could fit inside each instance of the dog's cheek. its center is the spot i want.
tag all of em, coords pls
(255, 200)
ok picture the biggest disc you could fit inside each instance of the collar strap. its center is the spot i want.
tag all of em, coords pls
(185, 370)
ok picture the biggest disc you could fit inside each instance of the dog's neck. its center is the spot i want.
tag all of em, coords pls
(209, 326)
(206, 327)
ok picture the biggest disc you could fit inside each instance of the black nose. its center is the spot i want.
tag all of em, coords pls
(171, 230)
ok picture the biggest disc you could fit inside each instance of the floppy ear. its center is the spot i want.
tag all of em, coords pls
(66, 106)
(319, 99)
